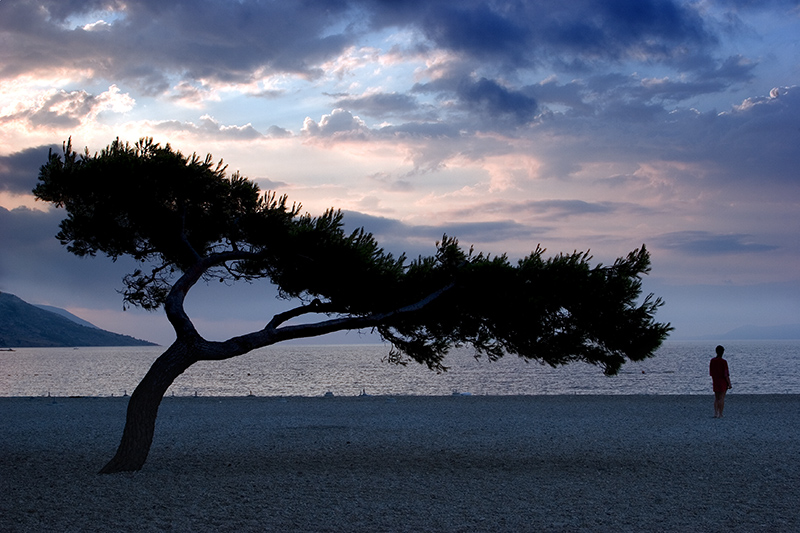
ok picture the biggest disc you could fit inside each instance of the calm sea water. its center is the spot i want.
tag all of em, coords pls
(757, 367)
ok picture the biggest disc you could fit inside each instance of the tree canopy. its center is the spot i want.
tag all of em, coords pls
(185, 219)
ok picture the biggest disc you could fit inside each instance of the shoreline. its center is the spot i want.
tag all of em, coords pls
(407, 463)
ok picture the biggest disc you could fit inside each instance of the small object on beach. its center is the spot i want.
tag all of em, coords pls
(251, 394)
(456, 393)
(364, 393)
(328, 394)
(195, 394)
(124, 393)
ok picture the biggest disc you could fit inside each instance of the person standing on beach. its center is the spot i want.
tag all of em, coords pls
(721, 379)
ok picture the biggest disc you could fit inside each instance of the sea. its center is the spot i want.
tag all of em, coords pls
(679, 367)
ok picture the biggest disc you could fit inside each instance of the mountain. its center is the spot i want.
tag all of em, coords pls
(26, 325)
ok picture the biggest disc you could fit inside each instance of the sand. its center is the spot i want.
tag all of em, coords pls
(541, 463)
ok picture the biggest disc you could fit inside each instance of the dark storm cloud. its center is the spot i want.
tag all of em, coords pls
(521, 33)
(33, 261)
(146, 42)
(623, 28)
(27, 227)
(477, 30)
(492, 99)
(484, 97)
(150, 40)
(699, 243)
(19, 171)
(169, 47)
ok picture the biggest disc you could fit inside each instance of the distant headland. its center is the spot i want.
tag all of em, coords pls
(26, 325)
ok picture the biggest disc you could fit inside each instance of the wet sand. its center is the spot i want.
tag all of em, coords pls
(536, 463)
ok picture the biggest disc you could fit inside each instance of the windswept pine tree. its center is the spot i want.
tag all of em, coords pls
(184, 219)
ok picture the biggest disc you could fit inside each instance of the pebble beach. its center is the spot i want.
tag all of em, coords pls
(460, 463)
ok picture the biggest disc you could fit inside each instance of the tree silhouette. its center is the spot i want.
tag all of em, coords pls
(185, 220)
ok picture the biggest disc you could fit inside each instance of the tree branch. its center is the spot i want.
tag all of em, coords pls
(315, 306)
(272, 334)
(173, 304)
(354, 322)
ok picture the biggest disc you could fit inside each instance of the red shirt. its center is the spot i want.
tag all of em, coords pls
(718, 370)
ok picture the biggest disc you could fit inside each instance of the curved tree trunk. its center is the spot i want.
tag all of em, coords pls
(143, 408)
(190, 347)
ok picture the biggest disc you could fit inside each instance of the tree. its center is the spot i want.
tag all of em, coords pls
(183, 219)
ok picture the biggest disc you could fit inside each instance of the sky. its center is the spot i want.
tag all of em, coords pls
(580, 125)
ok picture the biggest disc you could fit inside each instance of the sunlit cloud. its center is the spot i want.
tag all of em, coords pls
(339, 123)
(207, 127)
(63, 109)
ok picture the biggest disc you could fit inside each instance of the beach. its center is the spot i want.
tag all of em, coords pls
(456, 463)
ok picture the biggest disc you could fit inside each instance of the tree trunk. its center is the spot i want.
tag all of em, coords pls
(143, 408)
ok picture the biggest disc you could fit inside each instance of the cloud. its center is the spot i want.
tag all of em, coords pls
(379, 104)
(147, 43)
(67, 109)
(754, 142)
(144, 42)
(745, 147)
(607, 122)
(339, 123)
(524, 34)
(551, 209)
(661, 30)
(267, 184)
(492, 99)
(175, 50)
(702, 243)
(31, 254)
(477, 30)
(19, 171)
(209, 127)
(489, 100)
(276, 132)
(400, 237)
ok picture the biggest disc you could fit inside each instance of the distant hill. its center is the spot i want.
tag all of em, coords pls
(26, 325)
(782, 332)
(67, 314)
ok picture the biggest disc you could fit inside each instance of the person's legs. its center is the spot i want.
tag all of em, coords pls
(719, 403)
